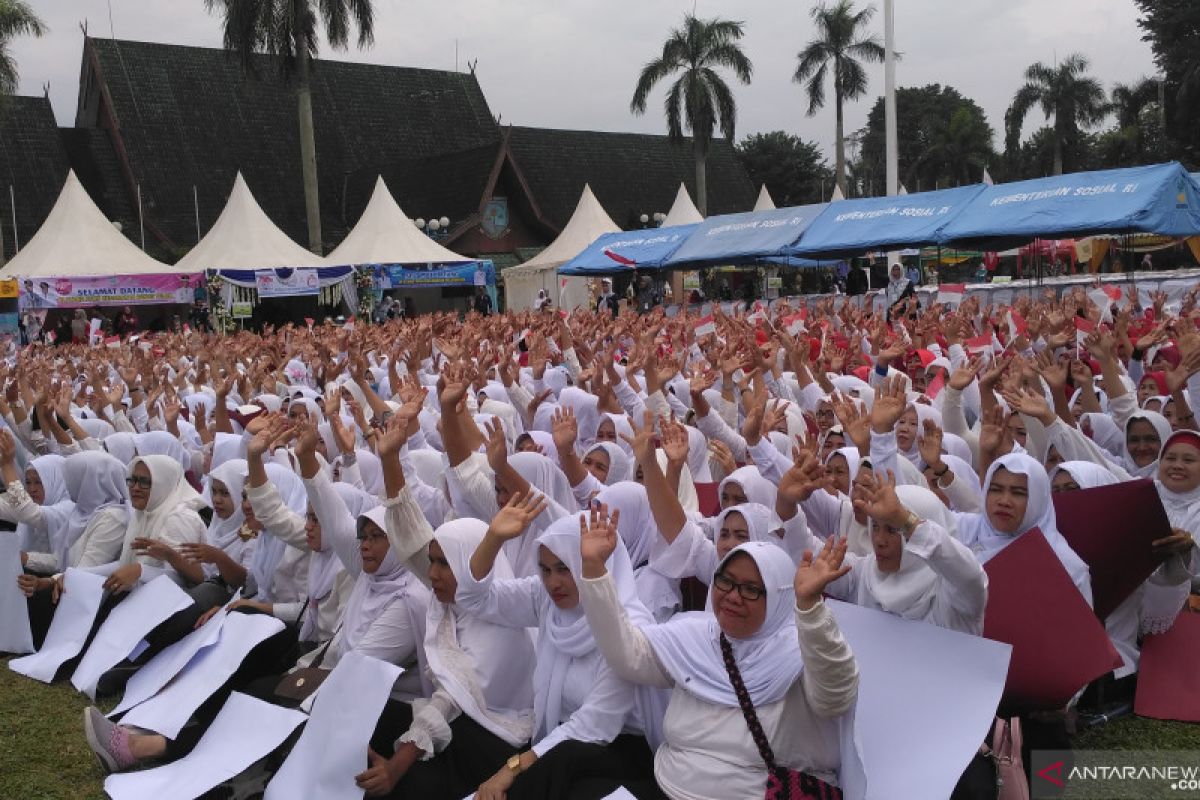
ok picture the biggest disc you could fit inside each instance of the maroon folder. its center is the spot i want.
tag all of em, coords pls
(1168, 681)
(1059, 646)
(1111, 528)
(710, 502)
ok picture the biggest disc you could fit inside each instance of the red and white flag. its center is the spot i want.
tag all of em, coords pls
(705, 327)
(617, 257)
(349, 325)
(187, 329)
(1104, 301)
(759, 314)
(1016, 325)
(951, 292)
(1083, 328)
(94, 334)
(112, 342)
(309, 322)
(936, 385)
(979, 344)
(794, 324)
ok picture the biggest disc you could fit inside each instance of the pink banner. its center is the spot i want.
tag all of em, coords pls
(122, 290)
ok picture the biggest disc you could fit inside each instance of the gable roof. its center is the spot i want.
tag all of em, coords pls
(32, 161)
(631, 173)
(190, 116)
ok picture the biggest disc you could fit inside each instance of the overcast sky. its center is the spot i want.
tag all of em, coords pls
(574, 63)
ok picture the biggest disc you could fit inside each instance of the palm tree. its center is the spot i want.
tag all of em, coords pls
(289, 30)
(842, 45)
(699, 97)
(16, 19)
(1067, 95)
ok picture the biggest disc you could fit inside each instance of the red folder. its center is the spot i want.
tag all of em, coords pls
(1111, 528)
(1059, 646)
(710, 502)
(1169, 683)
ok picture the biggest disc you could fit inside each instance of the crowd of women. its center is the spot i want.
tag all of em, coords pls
(600, 547)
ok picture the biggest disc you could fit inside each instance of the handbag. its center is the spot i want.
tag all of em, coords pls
(297, 686)
(782, 783)
(1005, 751)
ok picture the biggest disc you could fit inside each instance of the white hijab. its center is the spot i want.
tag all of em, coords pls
(161, 443)
(688, 647)
(756, 488)
(1161, 426)
(95, 480)
(169, 491)
(57, 508)
(324, 566)
(620, 465)
(268, 548)
(910, 591)
(484, 667)
(587, 415)
(977, 532)
(1183, 509)
(223, 533)
(121, 446)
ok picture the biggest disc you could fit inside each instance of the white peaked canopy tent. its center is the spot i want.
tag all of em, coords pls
(77, 240)
(764, 201)
(683, 210)
(385, 235)
(244, 238)
(837, 194)
(521, 283)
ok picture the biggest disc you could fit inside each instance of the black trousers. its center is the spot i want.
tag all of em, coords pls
(585, 771)
(41, 614)
(473, 755)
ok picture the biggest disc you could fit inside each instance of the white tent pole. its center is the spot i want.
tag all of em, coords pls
(12, 204)
(889, 101)
(141, 221)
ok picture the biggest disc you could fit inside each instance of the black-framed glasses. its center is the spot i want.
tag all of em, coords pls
(143, 481)
(748, 591)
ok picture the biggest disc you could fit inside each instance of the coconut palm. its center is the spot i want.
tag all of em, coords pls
(289, 30)
(16, 19)
(699, 98)
(840, 47)
(1067, 96)
(958, 148)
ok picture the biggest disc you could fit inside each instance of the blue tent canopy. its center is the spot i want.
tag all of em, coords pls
(852, 227)
(744, 238)
(648, 249)
(1157, 199)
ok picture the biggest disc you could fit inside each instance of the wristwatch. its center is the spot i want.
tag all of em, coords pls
(514, 764)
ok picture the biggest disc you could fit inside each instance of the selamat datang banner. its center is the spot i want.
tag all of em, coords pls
(108, 290)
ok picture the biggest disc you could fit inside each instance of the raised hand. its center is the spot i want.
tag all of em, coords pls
(306, 439)
(882, 504)
(643, 440)
(855, 422)
(1031, 404)
(497, 445)
(961, 378)
(1052, 370)
(675, 442)
(992, 431)
(721, 453)
(512, 520)
(929, 444)
(802, 479)
(815, 573)
(8, 447)
(597, 539)
(891, 400)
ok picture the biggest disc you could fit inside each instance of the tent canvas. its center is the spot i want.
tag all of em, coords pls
(244, 238)
(683, 210)
(764, 201)
(1155, 199)
(384, 234)
(76, 239)
(856, 226)
(745, 238)
(522, 282)
(648, 249)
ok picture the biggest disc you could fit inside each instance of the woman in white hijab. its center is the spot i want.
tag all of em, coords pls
(918, 570)
(226, 553)
(40, 505)
(121, 446)
(794, 672)
(585, 717)
(629, 502)
(161, 443)
(1016, 494)
(481, 710)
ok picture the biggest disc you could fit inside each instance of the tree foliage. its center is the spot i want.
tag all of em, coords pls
(794, 171)
(1068, 97)
(944, 140)
(16, 19)
(1172, 27)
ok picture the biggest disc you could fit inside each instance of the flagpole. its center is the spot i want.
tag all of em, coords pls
(891, 144)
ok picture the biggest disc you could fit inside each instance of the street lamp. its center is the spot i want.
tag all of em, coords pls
(659, 217)
(435, 227)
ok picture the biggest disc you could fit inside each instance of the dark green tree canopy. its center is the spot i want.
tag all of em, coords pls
(792, 169)
(1172, 27)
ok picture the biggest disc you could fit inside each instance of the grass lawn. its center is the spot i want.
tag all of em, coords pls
(43, 755)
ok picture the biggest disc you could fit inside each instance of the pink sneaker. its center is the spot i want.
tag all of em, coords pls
(109, 741)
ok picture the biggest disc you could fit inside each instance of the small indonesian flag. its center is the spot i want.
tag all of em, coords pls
(980, 344)
(349, 325)
(112, 342)
(1113, 291)
(620, 259)
(759, 315)
(1016, 325)
(146, 346)
(562, 283)
(936, 385)
(562, 312)
(1083, 327)
(94, 334)
(794, 324)
(1104, 301)
(951, 292)
(309, 322)
(187, 329)
(705, 327)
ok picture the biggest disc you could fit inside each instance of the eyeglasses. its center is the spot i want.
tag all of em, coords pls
(143, 481)
(748, 591)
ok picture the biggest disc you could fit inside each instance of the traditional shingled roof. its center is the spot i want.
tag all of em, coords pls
(190, 116)
(630, 173)
(32, 161)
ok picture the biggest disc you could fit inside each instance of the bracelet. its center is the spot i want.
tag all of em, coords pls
(945, 469)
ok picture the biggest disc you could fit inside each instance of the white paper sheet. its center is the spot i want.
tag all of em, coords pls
(158, 671)
(926, 699)
(333, 747)
(15, 634)
(77, 607)
(168, 711)
(146, 607)
(246, 730)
